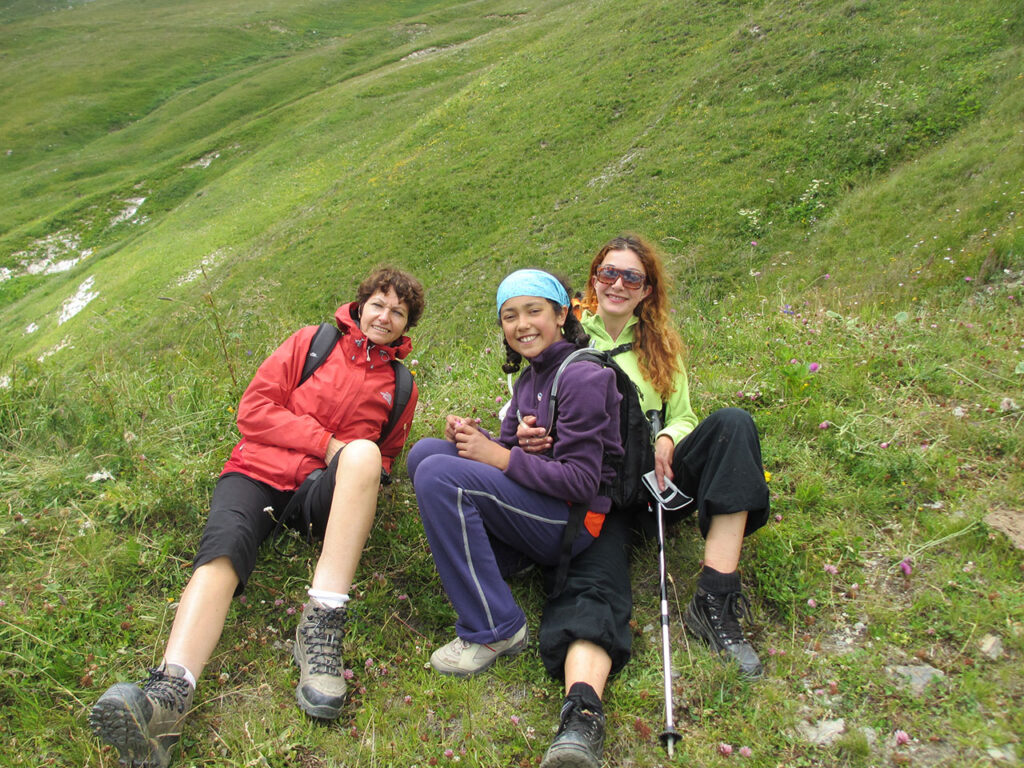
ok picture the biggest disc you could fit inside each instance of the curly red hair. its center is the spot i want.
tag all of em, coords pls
(658, 346)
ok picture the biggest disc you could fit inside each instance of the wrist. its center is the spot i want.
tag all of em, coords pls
(501, 456)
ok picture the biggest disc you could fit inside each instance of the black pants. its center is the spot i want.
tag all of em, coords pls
(244, 512)
(719, 465)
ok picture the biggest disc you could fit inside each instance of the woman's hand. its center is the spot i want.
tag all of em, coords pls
(533, 439)
(474, 444)
(452, 424)
(663, 450)
(333, 446)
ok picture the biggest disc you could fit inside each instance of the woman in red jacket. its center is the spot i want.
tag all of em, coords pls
(329, 431)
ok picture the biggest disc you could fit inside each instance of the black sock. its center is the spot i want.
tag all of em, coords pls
(717, 582)
(587, 697)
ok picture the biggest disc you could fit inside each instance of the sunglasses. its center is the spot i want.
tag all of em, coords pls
(631, 278)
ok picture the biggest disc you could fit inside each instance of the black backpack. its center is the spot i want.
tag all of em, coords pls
(627, 489)
(324, 340)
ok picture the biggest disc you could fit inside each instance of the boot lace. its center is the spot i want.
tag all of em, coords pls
(168, 691)
(575, 718)
(725, 611)
(322, 637)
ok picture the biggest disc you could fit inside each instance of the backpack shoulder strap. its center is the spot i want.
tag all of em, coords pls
(626, 348)
(579, 354)
(403, 391)
(620, 349)
(324, 340)
(586, 353)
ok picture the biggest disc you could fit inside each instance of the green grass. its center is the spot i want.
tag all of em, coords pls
(832, 183)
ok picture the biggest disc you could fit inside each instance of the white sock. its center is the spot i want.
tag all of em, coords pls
(188, 672)
(328, 599)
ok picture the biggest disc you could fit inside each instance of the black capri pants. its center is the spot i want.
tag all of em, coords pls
(244, 512)
(719, 465)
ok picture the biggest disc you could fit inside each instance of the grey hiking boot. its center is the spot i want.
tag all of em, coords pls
(321, 689)
(144, 723)
(463, 658)
(580, 738)
(714, 618)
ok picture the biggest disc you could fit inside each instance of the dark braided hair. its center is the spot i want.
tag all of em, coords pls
(572, 331)
(512, 358)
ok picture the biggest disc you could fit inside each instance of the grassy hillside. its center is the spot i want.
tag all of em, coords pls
(182, 184)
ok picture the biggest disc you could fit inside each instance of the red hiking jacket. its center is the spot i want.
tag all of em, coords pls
(285, 428)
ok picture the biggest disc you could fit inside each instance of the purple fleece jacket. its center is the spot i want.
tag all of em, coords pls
(586, 432)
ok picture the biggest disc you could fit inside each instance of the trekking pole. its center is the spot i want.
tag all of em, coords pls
(670, 735)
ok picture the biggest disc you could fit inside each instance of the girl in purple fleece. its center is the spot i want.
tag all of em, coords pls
(486, 504)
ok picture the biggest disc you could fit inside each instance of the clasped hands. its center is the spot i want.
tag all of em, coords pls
(472, 443)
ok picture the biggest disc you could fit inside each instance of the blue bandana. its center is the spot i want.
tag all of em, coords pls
(532, 282)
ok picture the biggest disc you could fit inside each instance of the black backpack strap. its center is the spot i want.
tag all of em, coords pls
(297, 505)
(573, 526)
(577, 512)
(320, 347)
(620, 349)
(579, 354)
(403, 391)
(324, 340)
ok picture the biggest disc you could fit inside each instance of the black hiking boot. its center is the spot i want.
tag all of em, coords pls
(321, 689)
(580, 738)
(714, 618)
(144, 723)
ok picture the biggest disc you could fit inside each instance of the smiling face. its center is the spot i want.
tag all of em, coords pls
(616, 302)
(384, 317)
(531, 324)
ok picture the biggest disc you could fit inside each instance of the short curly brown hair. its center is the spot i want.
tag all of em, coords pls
(406, 287)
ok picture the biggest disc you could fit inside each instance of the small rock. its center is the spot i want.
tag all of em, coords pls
(919, 675)
(1005, 754)
(991, 646)
(823, 733)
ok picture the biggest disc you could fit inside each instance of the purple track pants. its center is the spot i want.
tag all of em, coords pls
(482, 526)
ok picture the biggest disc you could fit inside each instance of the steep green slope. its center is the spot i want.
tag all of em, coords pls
(522, 134)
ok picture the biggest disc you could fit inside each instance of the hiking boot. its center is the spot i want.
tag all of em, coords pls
(463, 658)
(144, 723)
(580, 738)
(714, 618)
(317, 651)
